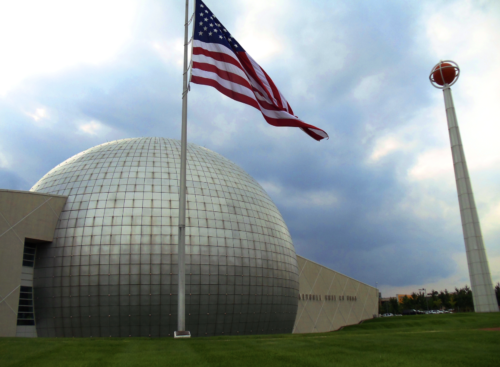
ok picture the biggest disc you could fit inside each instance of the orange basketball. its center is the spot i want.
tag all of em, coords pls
(448, 71)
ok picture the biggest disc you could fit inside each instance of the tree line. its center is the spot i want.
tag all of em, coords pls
(460, 301)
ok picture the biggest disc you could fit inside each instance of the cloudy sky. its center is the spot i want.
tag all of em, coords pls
(376, 202)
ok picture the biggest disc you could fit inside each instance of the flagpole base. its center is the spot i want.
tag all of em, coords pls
(182, 334)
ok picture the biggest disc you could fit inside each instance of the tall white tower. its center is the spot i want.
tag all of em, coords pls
(443, 76)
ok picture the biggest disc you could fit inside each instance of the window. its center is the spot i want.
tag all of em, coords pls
(25, 314)
(29, 254)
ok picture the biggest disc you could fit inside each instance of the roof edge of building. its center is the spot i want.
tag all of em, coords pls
(368, 285)
(33, 193)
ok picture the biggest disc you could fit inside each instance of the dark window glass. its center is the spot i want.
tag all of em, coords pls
(25, 315)
(29, 255)
(26, 322)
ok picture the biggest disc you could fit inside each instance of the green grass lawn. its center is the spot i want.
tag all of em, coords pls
(424, 340)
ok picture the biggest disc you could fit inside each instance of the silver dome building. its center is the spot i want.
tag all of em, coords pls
(112, 267)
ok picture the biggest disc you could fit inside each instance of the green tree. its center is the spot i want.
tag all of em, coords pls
(395, 307)
(446, 299)
(437, 304)
(407, 303)
(464, 299)
(452, 301)
(461, 300)
(415, 301)
(497, 292)
(384, 307)
(420, 301)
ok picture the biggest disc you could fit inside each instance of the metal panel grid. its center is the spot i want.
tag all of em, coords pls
(112, 268)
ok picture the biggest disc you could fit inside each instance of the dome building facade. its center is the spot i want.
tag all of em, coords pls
(111, 269)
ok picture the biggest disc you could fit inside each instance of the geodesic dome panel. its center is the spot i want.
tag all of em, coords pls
(112, 268)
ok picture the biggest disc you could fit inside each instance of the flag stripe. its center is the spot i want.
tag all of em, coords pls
(215, 47)
(212, 55)
(258, 89)
(270, 117)
(203, 59)
(219, 56)
(274, 89)
(226, 91)
(274, 118)
(314, 133)
(241, 87)
(220, 62)
(238, 88)
(261, 77)
(272, 112)
(268, 106)
(253, 77)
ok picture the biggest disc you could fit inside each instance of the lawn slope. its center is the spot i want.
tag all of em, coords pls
(427, 340)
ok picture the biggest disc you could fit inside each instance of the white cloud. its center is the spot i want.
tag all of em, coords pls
(369, 87)
(310, 49)
(222, 131)
(432, 164)
(385, 146)
(4, 162)
(92, 128)
(39, 37)
(39, 114)
(463, 32)
(431, 201)
(467, 33)
(318, 199)
(458, 279)
(300, 199)
(425, 129)
(494, 270)
(491, 220)
(271, 188)
(256, 28)
(172, 51)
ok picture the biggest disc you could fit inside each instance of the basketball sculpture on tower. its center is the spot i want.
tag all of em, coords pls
(443, 76)
(445, 73)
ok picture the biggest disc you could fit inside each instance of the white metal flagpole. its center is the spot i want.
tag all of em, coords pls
(181, 296)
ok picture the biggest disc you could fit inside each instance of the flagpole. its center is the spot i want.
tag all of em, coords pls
(181, 297)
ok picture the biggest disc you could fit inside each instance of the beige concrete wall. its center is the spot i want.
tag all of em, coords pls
(329, 300)
(23, 214)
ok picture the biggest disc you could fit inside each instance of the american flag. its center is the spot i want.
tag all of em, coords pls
(221, 62)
